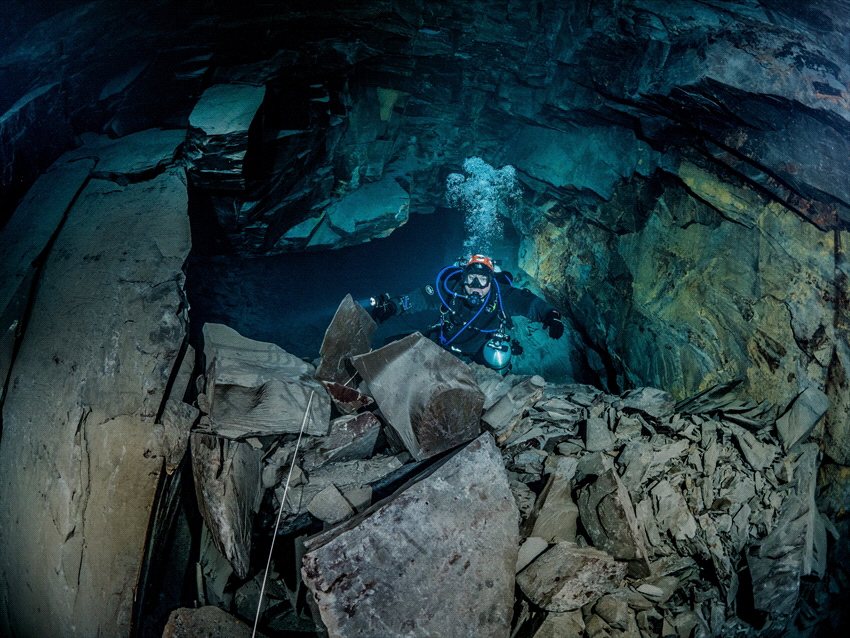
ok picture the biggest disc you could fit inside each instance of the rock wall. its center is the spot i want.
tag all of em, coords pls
(80, 457)
(720, 282)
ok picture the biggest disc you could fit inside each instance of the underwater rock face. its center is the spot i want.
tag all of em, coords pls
(727, 286)
(217, 140)
(80, 458)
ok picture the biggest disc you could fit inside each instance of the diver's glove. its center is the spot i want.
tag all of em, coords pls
(516, 348)
(383, 307)
(552, 321)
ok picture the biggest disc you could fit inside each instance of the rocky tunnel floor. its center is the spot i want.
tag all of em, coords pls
(564, 511)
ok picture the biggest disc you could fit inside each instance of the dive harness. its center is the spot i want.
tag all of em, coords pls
(497, 350)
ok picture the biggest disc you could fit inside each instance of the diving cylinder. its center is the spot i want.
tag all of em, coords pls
(497, 352)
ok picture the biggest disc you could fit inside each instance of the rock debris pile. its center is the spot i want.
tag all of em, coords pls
(428, 497)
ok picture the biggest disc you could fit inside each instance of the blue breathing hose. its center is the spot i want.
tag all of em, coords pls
(442, 281)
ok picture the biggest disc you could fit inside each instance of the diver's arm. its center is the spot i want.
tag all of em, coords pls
(519, 301)
(384, 306)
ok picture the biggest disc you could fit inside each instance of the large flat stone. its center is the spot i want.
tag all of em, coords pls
(349, 334)
(429, 396)
(435, 559)
(80, 459)
(131, 156)
(228, 486)
(256, 388)
(373, 210)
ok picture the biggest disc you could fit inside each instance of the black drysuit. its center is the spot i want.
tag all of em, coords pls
(464, 328)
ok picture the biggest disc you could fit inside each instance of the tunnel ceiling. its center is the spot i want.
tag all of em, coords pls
(683, 165)
(756, 91)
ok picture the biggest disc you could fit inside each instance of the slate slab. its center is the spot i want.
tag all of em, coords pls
(228, 482)
(349, 334)
(217, 140)
(608, 515)
(802, 416)
(351, 437)
(131, 156)
(256, 388)
(566, 577)
(428, 396)
(435, 559)
(650, 401)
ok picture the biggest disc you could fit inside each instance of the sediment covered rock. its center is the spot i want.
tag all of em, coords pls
(217, 140)
(79, 437)
(436, 558)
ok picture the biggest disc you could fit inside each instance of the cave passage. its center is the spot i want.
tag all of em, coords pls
(289, 299)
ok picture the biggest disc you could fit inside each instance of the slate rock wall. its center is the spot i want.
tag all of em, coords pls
(81, 457)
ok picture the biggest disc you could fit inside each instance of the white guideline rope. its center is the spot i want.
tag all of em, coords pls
(280, 513)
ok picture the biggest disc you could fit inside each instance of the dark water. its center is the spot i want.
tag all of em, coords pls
(290, 299)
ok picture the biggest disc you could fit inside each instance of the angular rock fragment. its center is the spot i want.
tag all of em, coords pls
(757, 454)
(345, 476)
(650, 401)
(217, 140)
(567, 577)
(347, 400)
(671, 510)
(351, 437)
(597, 435)
(256, 388)
(177, 420)
(428, 396)
(530, 549)
(349, 334)
(710, 399)
(614, 610)
(508, 410)
(205, 622)
(228, 481)
(330, 506)
(608, 515)
(802, 416)
(569, 624)
(556, 520)
(438, 556)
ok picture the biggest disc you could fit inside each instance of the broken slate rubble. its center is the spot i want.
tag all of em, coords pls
(617, 528)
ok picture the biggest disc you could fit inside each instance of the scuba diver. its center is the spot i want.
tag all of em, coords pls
(475, 304)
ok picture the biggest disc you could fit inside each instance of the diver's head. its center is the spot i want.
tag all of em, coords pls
(477, 279)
